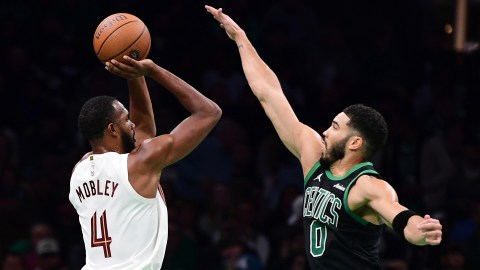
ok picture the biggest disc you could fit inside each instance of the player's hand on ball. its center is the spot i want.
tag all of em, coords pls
(131, 69)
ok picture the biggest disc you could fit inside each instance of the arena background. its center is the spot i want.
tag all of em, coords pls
(237, 193)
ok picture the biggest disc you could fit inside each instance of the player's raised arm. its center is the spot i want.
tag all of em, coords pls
(155, 154)
(266, 87)
(141, 110)
(192, 130)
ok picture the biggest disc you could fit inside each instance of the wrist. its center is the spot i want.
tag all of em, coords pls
(150, 70)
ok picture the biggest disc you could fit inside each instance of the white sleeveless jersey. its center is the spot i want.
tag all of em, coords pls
(121, 229)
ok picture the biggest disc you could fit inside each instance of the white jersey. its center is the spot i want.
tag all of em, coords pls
(121, 229)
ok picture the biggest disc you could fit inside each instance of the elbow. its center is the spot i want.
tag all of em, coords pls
(218, 113)
(215, 112)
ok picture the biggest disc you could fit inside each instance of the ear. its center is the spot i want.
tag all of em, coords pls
(112, 130)
(356, 143)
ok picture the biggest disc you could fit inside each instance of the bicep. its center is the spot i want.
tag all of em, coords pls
(161, 151)
(187, 135)
(383, 199)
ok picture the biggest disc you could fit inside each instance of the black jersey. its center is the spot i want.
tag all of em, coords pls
(335, 237)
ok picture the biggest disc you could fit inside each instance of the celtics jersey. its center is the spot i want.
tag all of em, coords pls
(335, 237)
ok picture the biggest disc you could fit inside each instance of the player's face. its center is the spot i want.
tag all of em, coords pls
(128, 141)
(334, 152)
(127, 131)
(336, 138)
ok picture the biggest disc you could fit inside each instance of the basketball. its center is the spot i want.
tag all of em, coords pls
(121, 34)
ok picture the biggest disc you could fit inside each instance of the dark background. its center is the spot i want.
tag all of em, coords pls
(232, 197)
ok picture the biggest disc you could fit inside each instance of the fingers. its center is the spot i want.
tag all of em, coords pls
(432, 237)
(216, 13)
(121, 69)
(431, 230)
(429, 222)
(114, 66)
(211, 10)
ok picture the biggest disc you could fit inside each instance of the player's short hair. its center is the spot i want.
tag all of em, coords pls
(95, 115)
(370, 125)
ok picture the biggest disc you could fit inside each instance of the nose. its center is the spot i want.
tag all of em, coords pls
(325, 133)
(133, 125)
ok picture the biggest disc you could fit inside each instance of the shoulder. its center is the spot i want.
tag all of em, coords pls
(151, 152)
(312, 148)
(85, 156)
(82, 159)
(371, 187)
(370, 190)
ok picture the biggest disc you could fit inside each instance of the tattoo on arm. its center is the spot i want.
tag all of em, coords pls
(240, 46)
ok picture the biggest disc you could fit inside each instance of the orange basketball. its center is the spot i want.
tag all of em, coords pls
(121, 34)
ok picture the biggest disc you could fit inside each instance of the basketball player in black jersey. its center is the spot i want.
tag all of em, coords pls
(346, 203)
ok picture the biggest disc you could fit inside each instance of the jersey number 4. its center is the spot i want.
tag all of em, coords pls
(105, 240)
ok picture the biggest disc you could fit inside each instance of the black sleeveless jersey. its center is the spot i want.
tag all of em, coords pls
(335, 237)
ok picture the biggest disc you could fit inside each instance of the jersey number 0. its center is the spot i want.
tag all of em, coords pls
(318, 237)
(105, 240)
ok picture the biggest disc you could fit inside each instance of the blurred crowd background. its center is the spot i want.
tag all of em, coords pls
(235, 201)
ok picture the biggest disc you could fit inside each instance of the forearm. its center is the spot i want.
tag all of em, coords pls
(191, 99)
(260, 77)
(141, 110)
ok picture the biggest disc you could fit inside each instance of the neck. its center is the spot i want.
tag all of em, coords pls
(100, 149)
(340, 167)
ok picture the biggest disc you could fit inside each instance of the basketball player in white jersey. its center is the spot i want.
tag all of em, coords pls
(115, 188)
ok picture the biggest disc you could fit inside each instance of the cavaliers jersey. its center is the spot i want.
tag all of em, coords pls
(335, 237)
(121, 229)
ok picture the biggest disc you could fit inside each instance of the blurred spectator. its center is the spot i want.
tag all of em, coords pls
(245, 220)
(436, 172)
(218, 209)
(28, 247)
(452, 258)
(236, 255)
(182, 250)
(13, 261)
(290, 251)
(49, 256)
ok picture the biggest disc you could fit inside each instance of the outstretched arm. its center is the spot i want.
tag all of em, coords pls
(266, 87)
(383, 200)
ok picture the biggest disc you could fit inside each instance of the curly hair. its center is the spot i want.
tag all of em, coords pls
(370, 125)
(95, 115)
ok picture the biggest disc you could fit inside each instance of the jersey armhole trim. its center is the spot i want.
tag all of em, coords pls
(345, 199)
(310, 173)
(133, 192)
